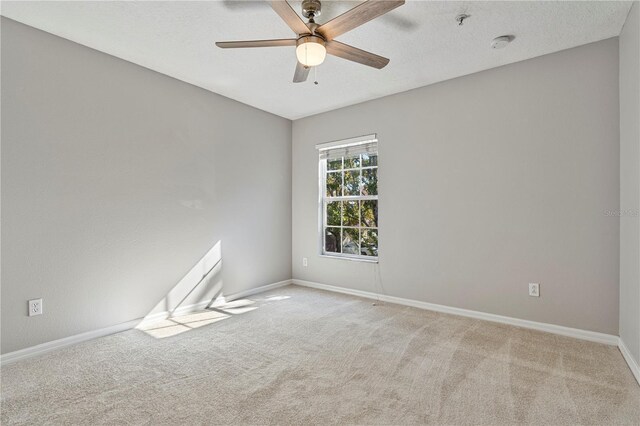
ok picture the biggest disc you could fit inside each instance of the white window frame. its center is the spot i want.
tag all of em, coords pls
(323, 199)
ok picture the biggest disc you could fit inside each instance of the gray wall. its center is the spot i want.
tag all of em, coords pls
(116, 180)
(630, 182)
(487, 182)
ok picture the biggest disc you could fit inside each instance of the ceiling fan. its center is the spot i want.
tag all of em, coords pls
(315, 41)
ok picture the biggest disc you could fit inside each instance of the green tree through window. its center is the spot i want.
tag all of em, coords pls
(350, 203)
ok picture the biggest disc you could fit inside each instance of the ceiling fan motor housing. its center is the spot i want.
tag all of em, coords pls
(311, 8)
(310, 39)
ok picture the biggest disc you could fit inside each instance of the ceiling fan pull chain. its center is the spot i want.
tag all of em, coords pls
(315, 75)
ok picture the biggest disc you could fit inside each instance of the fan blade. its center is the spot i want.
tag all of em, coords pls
(290, 17)
(353, 18)
(257, 43)
(301, 73)
(354, 54)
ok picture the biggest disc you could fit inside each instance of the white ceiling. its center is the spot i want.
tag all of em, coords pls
(421, 38)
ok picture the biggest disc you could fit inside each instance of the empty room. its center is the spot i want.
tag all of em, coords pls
(320, 212)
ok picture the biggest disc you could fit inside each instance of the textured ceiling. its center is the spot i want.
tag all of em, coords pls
(421, 38)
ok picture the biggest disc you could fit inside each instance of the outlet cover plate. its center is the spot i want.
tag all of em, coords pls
(534, 289)
(35, 307)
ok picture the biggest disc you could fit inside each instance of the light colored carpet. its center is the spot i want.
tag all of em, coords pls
(301, 356)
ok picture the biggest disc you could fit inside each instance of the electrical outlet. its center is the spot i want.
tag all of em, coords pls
(35, 307)
(534, 289)
(305, 263)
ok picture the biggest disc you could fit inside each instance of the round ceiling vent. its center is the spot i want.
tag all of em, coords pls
(501, 42)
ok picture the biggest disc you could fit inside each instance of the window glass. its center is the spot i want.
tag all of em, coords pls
(351, 182)
(334, 164)
(334, 184)
(369, 214)
(369, 242)
(352, 162)
(369, 160)
(350, 243)
(334, 213)
(332, 240)
(370, 182)
(350, 213)
(350, 204)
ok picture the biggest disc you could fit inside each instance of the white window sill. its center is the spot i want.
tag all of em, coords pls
(353, 259)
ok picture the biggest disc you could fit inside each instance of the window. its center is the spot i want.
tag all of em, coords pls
(349, 198)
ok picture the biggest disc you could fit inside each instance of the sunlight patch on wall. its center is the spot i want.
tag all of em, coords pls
(201, 283)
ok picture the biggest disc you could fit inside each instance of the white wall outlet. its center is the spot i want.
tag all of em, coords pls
(35, 307)
(305, 262)
(534, 289)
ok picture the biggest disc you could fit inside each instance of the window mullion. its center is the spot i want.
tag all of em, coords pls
(352, 198)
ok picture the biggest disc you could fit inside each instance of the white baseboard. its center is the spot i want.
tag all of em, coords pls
(66, 341)
(182, 310)
(633, 365)
(592, 336)
(550, 328)
(252, 291)
(94, 334)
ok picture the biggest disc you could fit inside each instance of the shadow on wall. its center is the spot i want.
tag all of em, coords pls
(200, 290)
(197, 289)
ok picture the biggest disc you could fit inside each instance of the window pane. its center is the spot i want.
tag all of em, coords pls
(369, 242)
(352, 182)
(350, 213)
(369, 182)
(369, 213)
(333, 213)
(352, 162)
(334, 164)
(349, 204)
(334, 184)
(369, 160)
(332, 240)
(350, 241)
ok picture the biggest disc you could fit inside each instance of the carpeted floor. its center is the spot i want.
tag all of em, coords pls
(301, 356)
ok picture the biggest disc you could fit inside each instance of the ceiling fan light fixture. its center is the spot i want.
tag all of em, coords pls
(310, 50)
